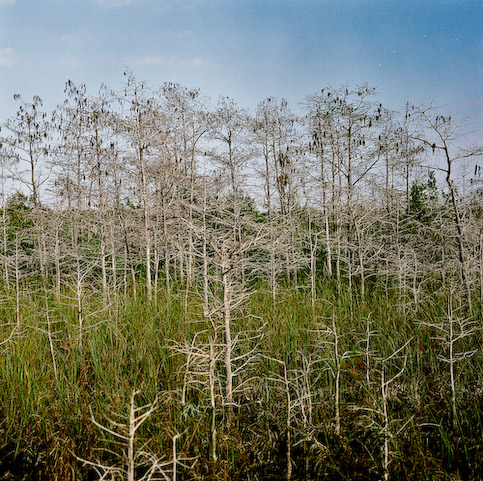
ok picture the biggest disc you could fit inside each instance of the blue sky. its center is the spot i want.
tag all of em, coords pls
(248, 49)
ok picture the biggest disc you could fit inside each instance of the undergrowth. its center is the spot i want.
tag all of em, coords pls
(54, 383)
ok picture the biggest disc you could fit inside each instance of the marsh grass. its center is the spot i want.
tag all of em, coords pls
(45, 411)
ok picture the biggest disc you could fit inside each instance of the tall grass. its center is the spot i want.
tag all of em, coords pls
(45, 415)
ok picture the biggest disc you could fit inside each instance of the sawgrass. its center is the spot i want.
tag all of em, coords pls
(46, 399)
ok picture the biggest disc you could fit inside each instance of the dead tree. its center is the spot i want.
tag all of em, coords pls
(442, 136)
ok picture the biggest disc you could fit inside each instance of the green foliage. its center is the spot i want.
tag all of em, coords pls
(18, 209)
(423, 199)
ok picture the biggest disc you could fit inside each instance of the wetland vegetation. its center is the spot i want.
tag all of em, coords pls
(192, 291)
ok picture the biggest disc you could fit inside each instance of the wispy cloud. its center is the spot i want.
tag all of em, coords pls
(109, 4)
(165, 61)
(68, 38)
(7, 56)
(185, 33)
(6, 2)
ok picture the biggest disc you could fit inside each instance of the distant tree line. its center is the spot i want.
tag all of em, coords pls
(123, 184)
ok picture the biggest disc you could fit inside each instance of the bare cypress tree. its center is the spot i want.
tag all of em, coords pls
(276, 135)
(231, 153)
(453, 333)
(81, 163)
(139, 124)
(101, 153)
(343, 124)
(229, 127)
(228, 268)
(30, 130)
(186, 115)
(72, 159)
(29, 140)
(320, 143)
(5, 159)
(266, 134)
(442, 136)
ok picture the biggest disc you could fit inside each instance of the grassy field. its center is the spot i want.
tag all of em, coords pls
(380, 388)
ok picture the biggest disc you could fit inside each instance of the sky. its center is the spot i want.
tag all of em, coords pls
(418, 51)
